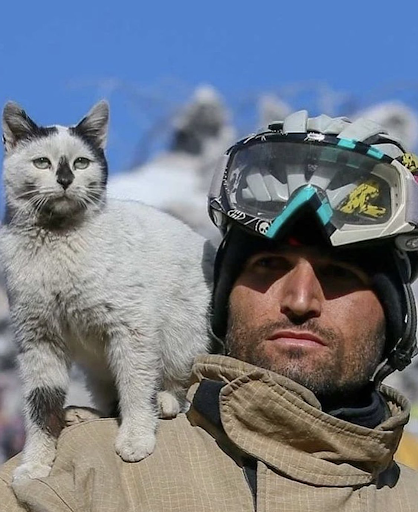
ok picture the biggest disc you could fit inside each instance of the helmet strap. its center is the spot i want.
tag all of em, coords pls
(405, 348)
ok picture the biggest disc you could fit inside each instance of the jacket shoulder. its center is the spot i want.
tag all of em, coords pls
(87, 471)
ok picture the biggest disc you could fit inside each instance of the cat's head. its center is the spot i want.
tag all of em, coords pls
(54, 173)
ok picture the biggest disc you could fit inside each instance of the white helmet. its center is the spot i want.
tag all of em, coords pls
(357, 181)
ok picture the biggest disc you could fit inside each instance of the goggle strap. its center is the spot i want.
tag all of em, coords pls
(306, 195)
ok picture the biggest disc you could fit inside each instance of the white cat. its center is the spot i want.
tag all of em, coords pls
(118, 287)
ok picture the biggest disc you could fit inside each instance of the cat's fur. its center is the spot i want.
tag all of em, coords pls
(118, 287)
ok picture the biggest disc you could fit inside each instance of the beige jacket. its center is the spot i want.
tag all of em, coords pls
(306, 460)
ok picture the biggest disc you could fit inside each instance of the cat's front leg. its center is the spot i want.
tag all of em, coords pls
(136, 364)
(44, 369)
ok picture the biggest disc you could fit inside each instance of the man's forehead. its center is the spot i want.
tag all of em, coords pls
(315, 252)
(367, 257)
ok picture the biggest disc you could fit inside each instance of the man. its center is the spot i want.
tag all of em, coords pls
(313, 307)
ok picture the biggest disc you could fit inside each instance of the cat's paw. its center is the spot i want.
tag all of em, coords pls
(30, 470)
(133, 447)
(168, 405)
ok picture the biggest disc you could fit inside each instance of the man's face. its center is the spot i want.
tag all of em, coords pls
(307, 316)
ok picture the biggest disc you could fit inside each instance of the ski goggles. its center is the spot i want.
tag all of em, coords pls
(356, 191)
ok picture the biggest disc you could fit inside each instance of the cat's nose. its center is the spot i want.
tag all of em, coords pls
(65, 175)
(65, 180)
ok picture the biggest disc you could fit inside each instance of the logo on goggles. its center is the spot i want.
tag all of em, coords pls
(236, 215)
(410, 161)
(359, 200)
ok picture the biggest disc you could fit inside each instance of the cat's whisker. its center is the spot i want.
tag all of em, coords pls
(27, 194)
(82, 203)
(24, 209)
(90, 200)
(93, 198)
(41, 203)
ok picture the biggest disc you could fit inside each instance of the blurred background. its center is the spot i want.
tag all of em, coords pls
(184, 79)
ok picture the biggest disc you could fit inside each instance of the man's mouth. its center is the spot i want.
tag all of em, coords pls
(297, 339)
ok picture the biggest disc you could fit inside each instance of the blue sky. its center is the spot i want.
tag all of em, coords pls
(58, 58)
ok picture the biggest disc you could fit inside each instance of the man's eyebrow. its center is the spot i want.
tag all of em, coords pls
(319, 258)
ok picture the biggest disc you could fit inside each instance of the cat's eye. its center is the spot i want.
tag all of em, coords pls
(42, 163)
(81, 163)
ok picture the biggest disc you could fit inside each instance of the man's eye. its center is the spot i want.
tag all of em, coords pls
(42, 163)
(81, 163)
(338, 272)
(271, 263)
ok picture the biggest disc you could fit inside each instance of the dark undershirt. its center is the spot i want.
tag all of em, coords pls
(368, 410)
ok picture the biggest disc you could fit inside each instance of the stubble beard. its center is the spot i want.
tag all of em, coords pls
(331, 374)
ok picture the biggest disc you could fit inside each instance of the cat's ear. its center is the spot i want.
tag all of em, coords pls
(17, 125)
(94, 125)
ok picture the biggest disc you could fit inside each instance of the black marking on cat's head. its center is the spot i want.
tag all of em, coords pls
(92, 130)
(19, 127)
(64, 174)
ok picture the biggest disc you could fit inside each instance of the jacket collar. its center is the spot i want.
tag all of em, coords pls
(279, 422)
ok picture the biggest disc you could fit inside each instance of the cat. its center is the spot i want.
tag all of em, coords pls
(118, 287)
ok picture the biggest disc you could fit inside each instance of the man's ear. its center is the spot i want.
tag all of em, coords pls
(17, 125)
(95, 124)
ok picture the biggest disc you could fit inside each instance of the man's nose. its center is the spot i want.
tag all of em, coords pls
(301, 294)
